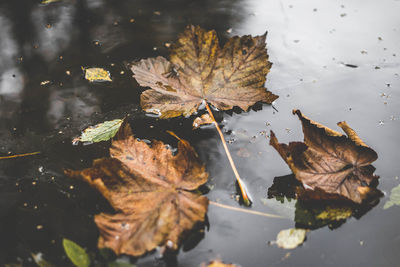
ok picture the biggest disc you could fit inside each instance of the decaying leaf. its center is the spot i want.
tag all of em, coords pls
(330, 164)
(291, 238)
(202, 120)
(150, 190)
(199, 71)
(394, 198)
(76, 253)
(100, 132)
(97, 75)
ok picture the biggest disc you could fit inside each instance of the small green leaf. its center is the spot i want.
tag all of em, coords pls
(76, 253)
(97, 75)
(100, 132)
(394, 198)
(290, 238)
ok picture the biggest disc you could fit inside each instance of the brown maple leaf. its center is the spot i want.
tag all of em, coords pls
(199, 71)
(329, 161)
(150, 190)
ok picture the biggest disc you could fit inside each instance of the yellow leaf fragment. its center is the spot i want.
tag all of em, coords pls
(97, 75)
(291, 238)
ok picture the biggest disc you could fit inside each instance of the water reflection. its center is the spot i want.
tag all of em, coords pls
(312, 213)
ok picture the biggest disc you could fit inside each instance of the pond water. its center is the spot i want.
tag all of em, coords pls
(336, 60)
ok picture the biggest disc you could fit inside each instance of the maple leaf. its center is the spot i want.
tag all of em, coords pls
(199, 71)
(150, 190)
(330, 162)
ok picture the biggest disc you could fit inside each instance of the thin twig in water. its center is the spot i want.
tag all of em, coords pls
(243, 191)
(245, 210)
(20, 155)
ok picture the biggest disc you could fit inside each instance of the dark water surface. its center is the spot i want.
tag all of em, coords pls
(334, 60)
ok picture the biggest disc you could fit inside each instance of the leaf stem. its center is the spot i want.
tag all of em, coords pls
(20, 155)
(245, 210)
(243, 191)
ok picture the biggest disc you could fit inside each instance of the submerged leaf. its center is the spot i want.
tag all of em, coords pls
(290, 238)
(97, 75)
(329, 164)
(394, 198)
(199, 70)
(76, 253)
(100, 132)
(150, 190)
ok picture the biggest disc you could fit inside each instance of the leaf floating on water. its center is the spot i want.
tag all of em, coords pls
(291, 238)
(97, 75)
(202, 120)
(76, 253)
(100, 132)
(330, 164)
(151, 192)
(394, 198)
(200, 70)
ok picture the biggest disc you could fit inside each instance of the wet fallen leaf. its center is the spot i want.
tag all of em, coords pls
(291, 238)
(97, 75)
(150, 190)
(202, 120)
(394, 198)
(199, 71)
(330, 164)
(100, 132)
(76, 253)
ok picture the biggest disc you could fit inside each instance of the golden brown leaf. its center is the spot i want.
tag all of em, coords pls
(150, 189)
(199, 71)
(330, 162)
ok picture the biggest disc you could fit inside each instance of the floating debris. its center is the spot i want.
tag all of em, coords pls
(290, 238)
(97, 75)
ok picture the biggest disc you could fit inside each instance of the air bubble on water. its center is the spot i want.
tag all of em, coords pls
(170, 244)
